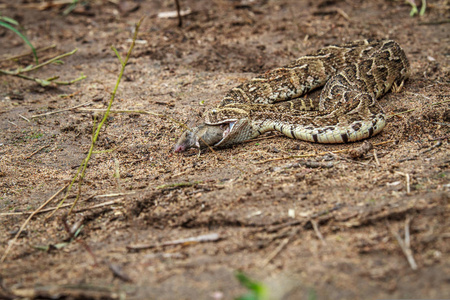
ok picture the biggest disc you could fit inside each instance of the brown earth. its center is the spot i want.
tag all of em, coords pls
(320, 227)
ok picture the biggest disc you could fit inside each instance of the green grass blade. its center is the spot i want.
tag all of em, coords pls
(23, 37)
(9, 20)
(423, 8)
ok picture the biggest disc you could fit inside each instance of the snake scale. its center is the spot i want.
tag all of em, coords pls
(354, 76)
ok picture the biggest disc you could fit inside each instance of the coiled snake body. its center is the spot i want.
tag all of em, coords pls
(355, 75)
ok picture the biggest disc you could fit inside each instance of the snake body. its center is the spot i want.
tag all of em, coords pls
(354, 76)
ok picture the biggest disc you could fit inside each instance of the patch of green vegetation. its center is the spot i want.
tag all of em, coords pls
(256, 290)
(34, 136)
(414, 9)
(11, 24)
(312, 295)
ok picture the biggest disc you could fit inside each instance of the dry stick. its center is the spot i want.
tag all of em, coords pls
(408, 187)
(42, 210)
(316, 230)
(276, 251)
(317, 154)
(439, 22)
(343, 14)
(180, 20)
(13, 241)
(376, 157)
(211, 237)
(61, 110)
(26, 119)
(67, 193)
(31, 155)
(177, 185)
(28, 53)
(99, 205)
(124, 111)
(74, 238)
(70, 204)
(404, 245)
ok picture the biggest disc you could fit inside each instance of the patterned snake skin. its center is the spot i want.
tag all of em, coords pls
(355, 75)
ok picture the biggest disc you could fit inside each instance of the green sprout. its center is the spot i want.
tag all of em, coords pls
(9, 24)
(256, 290)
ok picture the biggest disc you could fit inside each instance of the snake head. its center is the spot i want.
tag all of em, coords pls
(234, 119)
(223, 127)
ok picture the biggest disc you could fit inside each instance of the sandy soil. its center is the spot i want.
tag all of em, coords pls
(319, 227)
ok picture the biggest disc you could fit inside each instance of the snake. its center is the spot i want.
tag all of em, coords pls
(353, 76)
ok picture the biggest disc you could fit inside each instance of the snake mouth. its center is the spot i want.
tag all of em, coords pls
(228, 129)
(227, 126)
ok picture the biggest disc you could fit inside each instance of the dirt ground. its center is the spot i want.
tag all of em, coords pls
(318, 227)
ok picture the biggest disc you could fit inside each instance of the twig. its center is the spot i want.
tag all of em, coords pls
(42, 210)
(122, 111)
(178, 185)
(275, 252)
(180, 20)
(361, 150)
(26, 119)
(408, 188)
(439, 22)
(263, 138)
(118, 273)
(113, 195)
(28, 53)
(438, 144)
(61, 110)
(404, 245)
(343, 14)
(441, 138)
(31, 155)
(73, 237)
(316, 230)
(375, 156)
(212, 237)
(99, 205)
(13, 241)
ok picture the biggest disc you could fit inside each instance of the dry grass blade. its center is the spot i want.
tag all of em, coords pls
(212, 237)
(404, 245)
(13, 241)
(272, 255)
(61, 110)
(317, 231)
